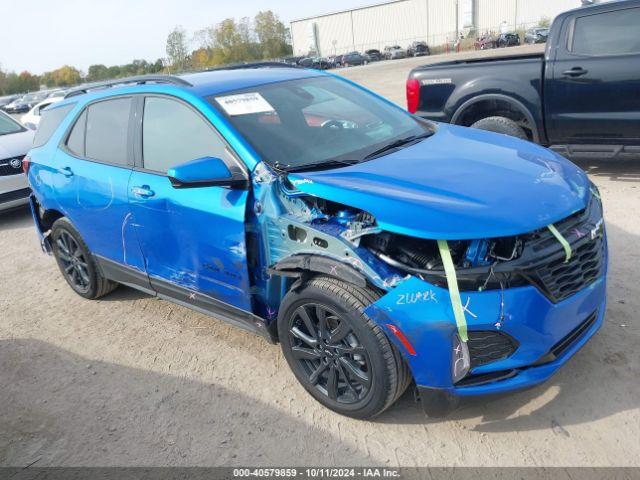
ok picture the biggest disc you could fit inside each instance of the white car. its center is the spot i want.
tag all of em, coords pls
(32, 118)
(15, 142)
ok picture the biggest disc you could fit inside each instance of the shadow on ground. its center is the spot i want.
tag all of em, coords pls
(69, 416)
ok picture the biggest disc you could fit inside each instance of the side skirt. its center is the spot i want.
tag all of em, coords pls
(197, 301)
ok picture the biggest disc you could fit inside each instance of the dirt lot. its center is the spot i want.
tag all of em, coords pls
(133, 380)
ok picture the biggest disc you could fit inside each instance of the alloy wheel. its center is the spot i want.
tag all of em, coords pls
(329, 352)
(74, 263)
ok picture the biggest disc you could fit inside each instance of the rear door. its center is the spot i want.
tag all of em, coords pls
(193, 239)
(593, 95)
(91, 180)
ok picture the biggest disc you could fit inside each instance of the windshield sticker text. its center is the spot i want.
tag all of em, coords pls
(244, 104)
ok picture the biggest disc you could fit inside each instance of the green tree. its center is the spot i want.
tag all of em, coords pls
(272, 35)
(177, 49)
(97, 73)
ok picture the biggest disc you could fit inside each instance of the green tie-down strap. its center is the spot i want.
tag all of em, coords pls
(454, 292)
(562, 240)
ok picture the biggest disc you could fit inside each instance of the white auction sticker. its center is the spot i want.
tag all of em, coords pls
(244, 104)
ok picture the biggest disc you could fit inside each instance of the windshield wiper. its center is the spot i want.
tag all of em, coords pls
(320, 165)
(397, 144)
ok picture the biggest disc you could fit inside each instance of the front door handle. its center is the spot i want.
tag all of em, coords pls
(575, 72)
(66, 171)
(143, 192)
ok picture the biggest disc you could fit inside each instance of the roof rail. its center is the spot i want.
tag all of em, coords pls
(239, 66)
(137, 80)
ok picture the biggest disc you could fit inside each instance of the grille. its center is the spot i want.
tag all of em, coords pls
(6, 167)
(487, 347)
(555, 278)
(560, 280)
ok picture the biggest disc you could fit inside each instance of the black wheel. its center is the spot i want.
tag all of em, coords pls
(338, 354)
(502, 125)
(76, 263)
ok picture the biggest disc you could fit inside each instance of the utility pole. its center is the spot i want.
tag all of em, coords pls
(458, 20)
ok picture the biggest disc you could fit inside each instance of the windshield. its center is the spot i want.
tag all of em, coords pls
(315, 121)
(9, 125)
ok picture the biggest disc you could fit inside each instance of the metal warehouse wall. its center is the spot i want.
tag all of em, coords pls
(403, 21)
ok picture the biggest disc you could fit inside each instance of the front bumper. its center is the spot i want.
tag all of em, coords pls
(14, 191)
(423, 313)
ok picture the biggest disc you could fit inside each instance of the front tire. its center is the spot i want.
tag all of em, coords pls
(503, 125)
(338, 354)
(76, 263)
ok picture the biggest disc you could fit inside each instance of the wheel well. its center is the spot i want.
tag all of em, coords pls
(497, 107)
(48, 217)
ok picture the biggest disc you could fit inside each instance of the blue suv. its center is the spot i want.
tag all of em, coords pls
(381, 250)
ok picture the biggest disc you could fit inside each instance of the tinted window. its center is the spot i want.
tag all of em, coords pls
(75, 143)
(610, 33)
(173, 133)
(50, 121)
(107, 130)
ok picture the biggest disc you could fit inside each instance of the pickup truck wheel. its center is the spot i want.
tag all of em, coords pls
(338, 354)
(76, 263)
(502, 125)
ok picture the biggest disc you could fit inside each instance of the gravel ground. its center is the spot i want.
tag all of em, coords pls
(133, 380)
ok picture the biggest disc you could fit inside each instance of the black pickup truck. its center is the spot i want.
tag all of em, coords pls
(582, 96)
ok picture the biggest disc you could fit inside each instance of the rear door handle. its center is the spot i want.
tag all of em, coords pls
(575, 72)
(143, 192)
(66, 171)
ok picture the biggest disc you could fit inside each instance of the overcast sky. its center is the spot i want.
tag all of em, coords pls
(41, 35)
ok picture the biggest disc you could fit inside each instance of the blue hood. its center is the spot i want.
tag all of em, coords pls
(459, 184)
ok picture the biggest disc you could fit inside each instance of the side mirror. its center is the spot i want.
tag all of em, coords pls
(205, 172)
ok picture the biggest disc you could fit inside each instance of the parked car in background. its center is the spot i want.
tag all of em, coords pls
(391, 253)
(336, 61)
(418, 49)
(32, 118)
(292, 60)
(581, 96)
(373, 55)
(24, 103)
(536, 35)
(394, 52)
(57, 94)
(510, 39)
(315, 62)
(15, 142)
(485, 42)
(6, 100)
(354, 58)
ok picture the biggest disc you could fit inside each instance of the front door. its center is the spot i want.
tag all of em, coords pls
(193, 239)
(593, 95)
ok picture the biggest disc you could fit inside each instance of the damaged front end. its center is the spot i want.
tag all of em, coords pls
(527, 304)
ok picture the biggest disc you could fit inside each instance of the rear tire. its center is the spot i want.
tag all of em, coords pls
(503, 125)
(338, 354)
(76, 263)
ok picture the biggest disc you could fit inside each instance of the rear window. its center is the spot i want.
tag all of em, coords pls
(609, 33)
(107, 131)
(49, 123)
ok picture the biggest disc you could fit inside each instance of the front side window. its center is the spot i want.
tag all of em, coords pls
(609, 33)
(173, 133)
(107, 131)
(315, 121)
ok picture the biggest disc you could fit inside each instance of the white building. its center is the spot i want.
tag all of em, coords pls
(404, 21)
